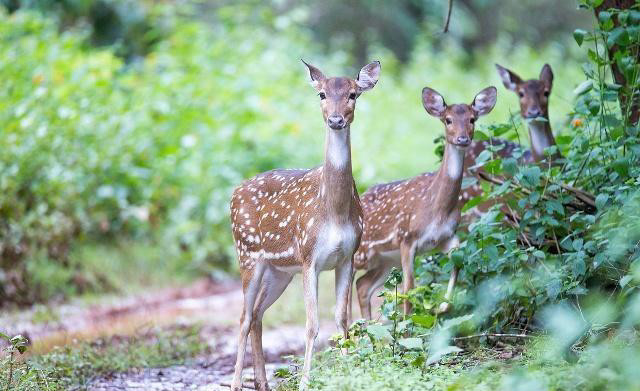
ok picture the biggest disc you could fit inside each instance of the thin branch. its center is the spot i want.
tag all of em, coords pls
(493, 335)
(246, 385)
(446, 22)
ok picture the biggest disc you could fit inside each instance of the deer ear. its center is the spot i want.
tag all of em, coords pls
(484, 102)
(509, 79)
(433, 102)
(546, 75)
(315, 76)
(368, 76)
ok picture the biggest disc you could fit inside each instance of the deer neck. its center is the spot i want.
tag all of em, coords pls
(541, 137)
(449, 178)
(336, 189)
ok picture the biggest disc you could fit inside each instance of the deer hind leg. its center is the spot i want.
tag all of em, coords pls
(274, 283)
(407, 253)
(251, 286)
(369, 282)
(310, 285)
(449, 246)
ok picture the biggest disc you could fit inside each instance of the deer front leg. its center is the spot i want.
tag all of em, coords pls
(310, 286)
(407, 253)
(447, 248)
(344, 280)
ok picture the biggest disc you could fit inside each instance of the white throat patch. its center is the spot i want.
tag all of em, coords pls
(455, 161)
(338, 147)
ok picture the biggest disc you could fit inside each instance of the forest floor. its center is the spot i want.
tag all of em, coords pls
(184, 338)
(212, 309)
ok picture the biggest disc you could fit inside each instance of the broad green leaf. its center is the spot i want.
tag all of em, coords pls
(379, 332)
(411, 343)
(579, 35)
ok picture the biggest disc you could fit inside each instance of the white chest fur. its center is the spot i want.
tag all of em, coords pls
(435, 234)
(539, 138)
(334, 244)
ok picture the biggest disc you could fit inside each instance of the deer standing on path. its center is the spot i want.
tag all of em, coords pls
(533, 97)
(412, 216)
(290, 221)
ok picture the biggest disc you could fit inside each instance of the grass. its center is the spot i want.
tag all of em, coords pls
(74, 366)
(121, 266)
(605, 366)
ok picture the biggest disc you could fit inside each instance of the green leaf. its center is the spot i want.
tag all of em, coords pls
(618, 36)
(411, 343)
(379, 332)
(579, 35)
(418, 361)
(601, 200)
(425, 321)
(531, 176)
(539, 254)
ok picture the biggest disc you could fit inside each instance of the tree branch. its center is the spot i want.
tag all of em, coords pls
(446, 22)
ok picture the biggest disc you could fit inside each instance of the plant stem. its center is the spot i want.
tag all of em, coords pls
(10, 370)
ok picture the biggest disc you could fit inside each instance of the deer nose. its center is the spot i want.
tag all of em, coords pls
(463, 141)
(335, 121)
(533, 113)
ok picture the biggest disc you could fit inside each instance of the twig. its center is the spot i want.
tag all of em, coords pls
(586, 198)
(493, 335)
(446, 22)
(250, 386)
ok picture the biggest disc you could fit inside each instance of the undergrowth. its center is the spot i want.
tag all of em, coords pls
(74, 366)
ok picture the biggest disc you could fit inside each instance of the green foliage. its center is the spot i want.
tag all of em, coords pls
(558, 251)
(95, 149)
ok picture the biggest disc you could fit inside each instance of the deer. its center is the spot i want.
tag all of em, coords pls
(533, 98)
(301, 221)
(412, 216)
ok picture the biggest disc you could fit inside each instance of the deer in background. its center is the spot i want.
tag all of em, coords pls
(290, 221)
(533, 97)
(412, 216)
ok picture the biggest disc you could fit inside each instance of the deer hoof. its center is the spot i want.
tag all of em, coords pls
(262, 386)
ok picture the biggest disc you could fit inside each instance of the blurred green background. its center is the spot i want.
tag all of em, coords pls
(125, 125)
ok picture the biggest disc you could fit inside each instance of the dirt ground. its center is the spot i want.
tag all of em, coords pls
(214, 306)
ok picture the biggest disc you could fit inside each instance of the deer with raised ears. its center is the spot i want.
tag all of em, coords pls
(290, 221)
(533, 98)
(413, 216)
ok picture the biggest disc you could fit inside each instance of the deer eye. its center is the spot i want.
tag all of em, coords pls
(521, 94)
(448, 121)
(472, 120)
(352, 95)
(322, 95)
(546, 94)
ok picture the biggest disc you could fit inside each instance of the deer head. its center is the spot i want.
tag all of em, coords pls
(459, 119)
(338, 94)
(533, 94)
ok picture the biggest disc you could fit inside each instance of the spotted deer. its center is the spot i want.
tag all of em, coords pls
(412, 216)
(291, 221)
(533, 97)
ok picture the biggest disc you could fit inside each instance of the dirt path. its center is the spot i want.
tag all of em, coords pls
(216, 306)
